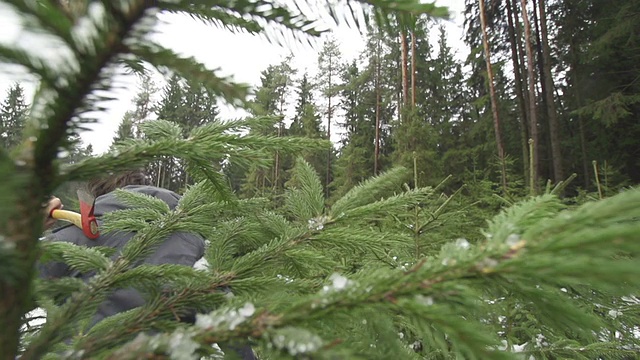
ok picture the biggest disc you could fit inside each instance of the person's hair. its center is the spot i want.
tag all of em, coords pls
(107, 184)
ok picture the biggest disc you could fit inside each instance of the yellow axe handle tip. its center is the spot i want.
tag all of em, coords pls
(70, 216)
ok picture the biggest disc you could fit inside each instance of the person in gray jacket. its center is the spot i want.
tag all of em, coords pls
(179, 248)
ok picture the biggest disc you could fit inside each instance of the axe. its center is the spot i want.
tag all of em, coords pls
(85, 220)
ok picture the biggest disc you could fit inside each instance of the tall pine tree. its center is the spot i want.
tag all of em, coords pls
(13, 112)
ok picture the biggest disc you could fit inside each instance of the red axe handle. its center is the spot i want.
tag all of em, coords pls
(86, 221)
(90, 229)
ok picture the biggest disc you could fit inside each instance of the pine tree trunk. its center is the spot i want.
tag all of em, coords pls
(554, 128)
(376, 161)
(583, 141)
(521, 56)
(545, 168)
(405, 80)
(330, 110)
(413, 69)
(492, 93)
(523, 70)
(517, 67)
(533, 121)
(160, 171)
(399, 85)
(276, 170)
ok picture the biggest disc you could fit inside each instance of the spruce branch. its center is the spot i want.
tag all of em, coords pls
(570, 349)
(168, 62)
(371, 190)
(158, 313)
(34, 65)
(59, 113)
(379, 209)
(217, 17)
(63, 104)
(57, 289)
(304, 199)
(78, 258)
(61, 322)
(47, 16)
(450, 283)
(203, 151)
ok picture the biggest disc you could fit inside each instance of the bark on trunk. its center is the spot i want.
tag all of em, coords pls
(520, 94)
(405, 79)
(545, 168)
(399, 85)
(554, 128)
(533, 121)
(276, 172)
(521, 57)
(413, 70)
(583, 138)
(159, 173)
(376, 161)
(330, 110)
(492, 93)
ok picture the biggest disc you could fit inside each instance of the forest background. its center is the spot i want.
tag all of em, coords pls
(584, 100)
(580, 91)
(546, 103)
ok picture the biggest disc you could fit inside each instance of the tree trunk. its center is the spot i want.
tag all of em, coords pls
(554, 128)
(521, 58)
(399, 84)
(329, 111)
(376, 160)
(517, 67)
(276, 171)
(161, 172)
(492, 93)
(546, 169)
(413, 69)
(21, 235)
(583, 138)
(405, 80)
(540, 62)
(398, 87)
(533, 121)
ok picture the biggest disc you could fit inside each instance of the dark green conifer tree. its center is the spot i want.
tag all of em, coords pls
(308, 281)
(271, 100)
(330, 66)
(13, 112)
(355, 162)
(307, 123)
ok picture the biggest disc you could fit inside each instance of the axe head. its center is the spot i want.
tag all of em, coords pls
(89, 222)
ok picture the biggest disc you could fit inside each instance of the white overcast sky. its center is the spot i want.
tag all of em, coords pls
(241, 56)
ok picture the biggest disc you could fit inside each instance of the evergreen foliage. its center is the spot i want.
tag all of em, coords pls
(12, 117)
(306, 122)
(401, 264)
